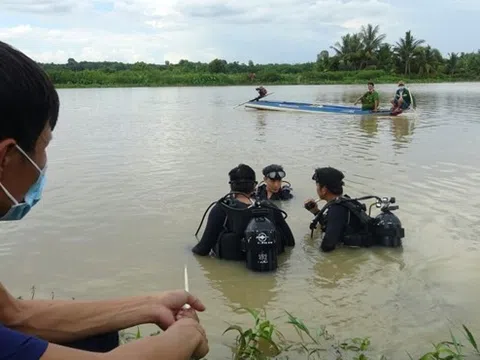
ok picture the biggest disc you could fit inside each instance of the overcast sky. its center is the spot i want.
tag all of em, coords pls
(201, 30)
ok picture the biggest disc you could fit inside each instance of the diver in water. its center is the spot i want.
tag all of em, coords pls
(273, 187)
(238, 216)
(345, 221)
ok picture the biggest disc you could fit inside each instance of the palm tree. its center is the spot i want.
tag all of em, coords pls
(406, 50)
(350, 50)
(428, 59)
(452, 63)
(323, 62)
(384, 57)
(371, 40)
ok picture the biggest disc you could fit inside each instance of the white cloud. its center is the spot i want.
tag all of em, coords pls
(200, 30)
(15, 32)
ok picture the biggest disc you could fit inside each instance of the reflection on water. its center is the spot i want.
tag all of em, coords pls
(132, 170)
(401, 128)
(239, 286)
(261, 123)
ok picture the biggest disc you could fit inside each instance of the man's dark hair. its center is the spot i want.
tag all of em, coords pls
(242, 179)
(331, 178)
(28, 99)
(370, 83)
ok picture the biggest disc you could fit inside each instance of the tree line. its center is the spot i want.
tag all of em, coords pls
(357, 57)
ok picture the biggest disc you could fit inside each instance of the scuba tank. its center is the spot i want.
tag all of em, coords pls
(388, 230)
(385, 229)
(261, 241)
(249, 235)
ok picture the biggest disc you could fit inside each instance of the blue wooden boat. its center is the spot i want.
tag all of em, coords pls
(314, 108)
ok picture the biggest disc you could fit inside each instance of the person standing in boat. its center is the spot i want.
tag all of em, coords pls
(370, 99)
(273, 189)
(262, 92)
(402, 99)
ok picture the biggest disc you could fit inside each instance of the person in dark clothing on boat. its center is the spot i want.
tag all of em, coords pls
(402, 99)
(225, 228)
(273, 189)
(338, 224)
(262, 92)
(370, 100)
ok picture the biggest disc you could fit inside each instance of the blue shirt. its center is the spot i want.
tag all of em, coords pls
(17, 346)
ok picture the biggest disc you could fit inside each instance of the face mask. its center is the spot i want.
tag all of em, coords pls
(32, 197)
(401, 88)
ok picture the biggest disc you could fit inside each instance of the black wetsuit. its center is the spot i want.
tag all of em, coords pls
(340, 221)
(216, 225)
(283, 194)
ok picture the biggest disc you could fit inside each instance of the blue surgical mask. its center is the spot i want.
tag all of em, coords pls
(32, 197)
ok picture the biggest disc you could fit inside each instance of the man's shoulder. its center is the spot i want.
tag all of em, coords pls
(337, 209)
(16, 345)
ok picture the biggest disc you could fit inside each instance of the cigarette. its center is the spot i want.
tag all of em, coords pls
(185, 275)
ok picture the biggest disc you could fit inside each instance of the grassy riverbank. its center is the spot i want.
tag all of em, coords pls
(161, 78)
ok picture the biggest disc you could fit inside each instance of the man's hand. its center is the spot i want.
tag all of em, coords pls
(184, 327)
(187, 313)
(169, 304)
(311, 206)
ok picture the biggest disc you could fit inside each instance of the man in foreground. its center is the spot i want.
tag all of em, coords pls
(33, 329)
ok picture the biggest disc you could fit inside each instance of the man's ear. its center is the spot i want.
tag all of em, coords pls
(5, 154)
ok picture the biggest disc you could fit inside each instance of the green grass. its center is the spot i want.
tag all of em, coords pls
(263, 341)
(162, 78)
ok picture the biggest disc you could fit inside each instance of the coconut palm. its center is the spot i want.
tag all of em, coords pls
(350, 50)
(406, 50)
(371, 40)
(428, 60)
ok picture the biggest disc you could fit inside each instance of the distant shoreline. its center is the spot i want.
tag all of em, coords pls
(255, 84)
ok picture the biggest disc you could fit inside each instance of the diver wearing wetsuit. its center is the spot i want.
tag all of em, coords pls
(273, 189)
(226, 224)
(339, 224)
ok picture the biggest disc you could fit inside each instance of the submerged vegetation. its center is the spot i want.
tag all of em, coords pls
(356, 58)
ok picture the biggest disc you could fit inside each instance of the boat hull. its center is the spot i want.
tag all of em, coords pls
(314, 108)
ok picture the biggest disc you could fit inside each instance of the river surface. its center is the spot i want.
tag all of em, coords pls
(131, 172)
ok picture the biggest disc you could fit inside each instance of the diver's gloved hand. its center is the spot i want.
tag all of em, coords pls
(285, 191)
(311, 206)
